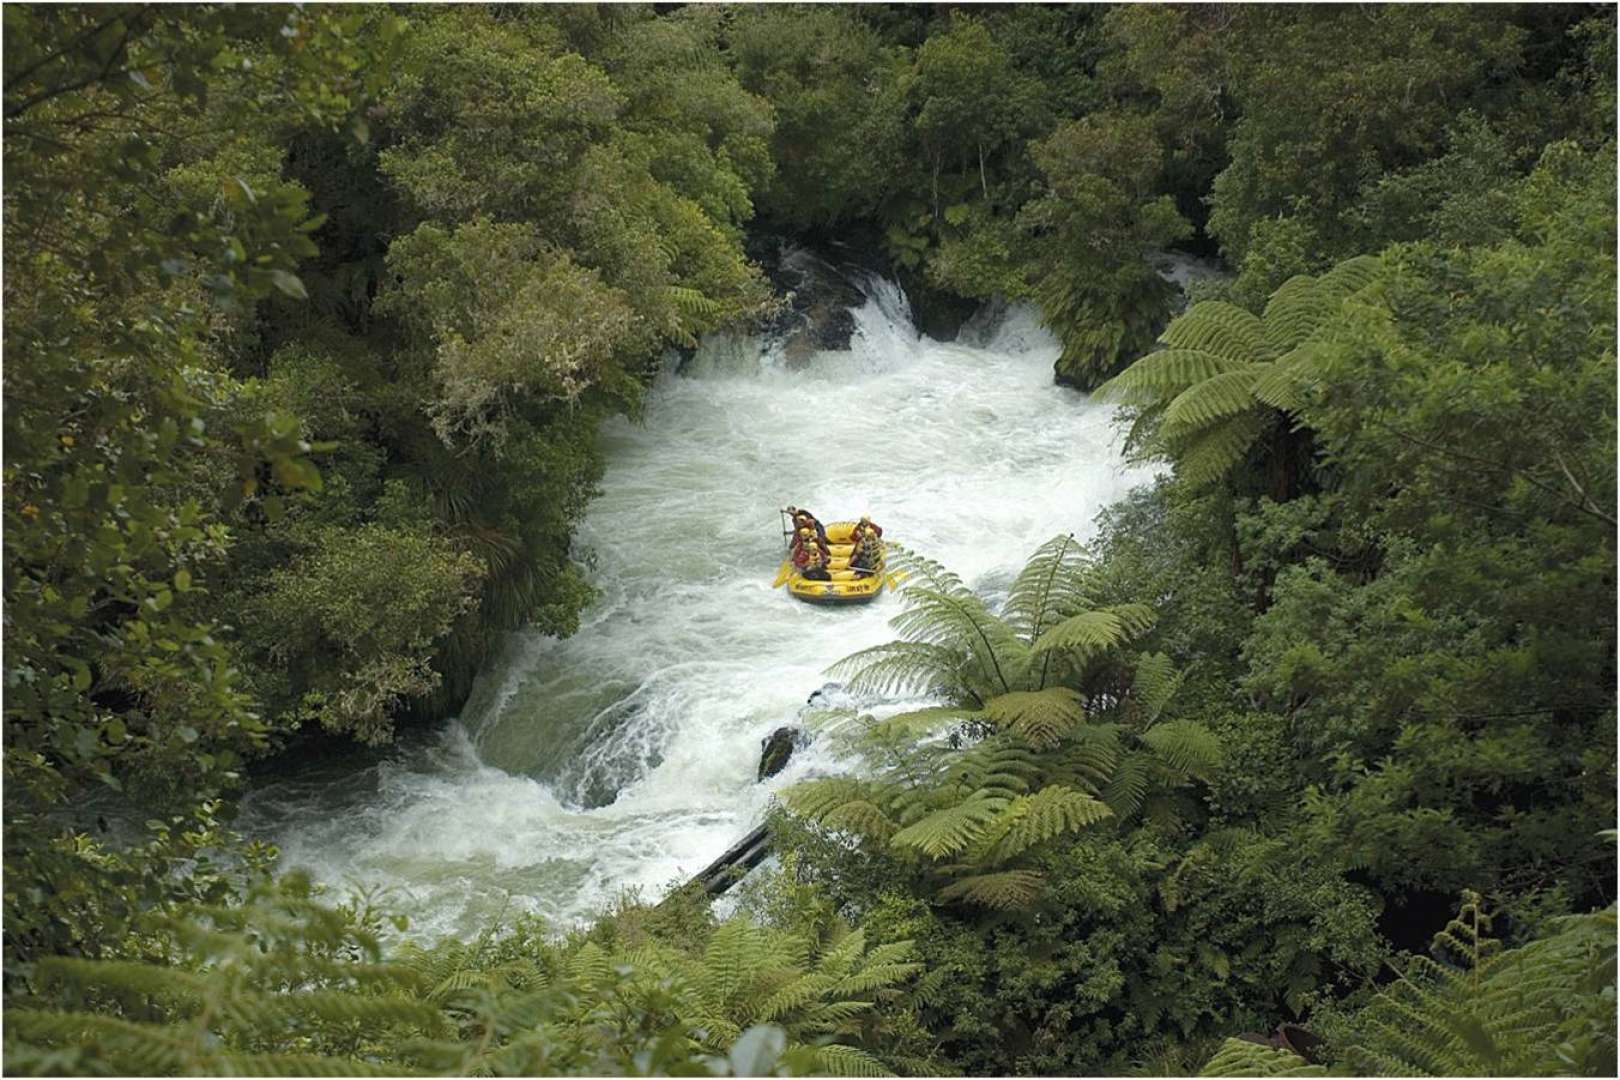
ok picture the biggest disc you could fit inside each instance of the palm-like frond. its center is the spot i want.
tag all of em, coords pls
(1294, 312)
(959, 621)
(1215, 399)
(1185, 746)
(1092, 631)
(903, 667)
(1222, 330)
(1239, 1057)
(1203, 460)
(1048, 588)
(1160, 376)
(951, 829)
(835, 1059)
(1154, 682)
(1487, 1012)
(1004, 890)
(1042, 717)
(1049, 812)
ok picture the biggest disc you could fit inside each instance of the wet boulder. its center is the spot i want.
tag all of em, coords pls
(817, 298)
(776, 749)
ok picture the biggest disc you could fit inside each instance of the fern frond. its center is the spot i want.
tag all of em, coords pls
(1185, 746)
(731, 958)
(921, 570)
(845, 954)
(1128, 787)
(1093, 631)
(1047, 588)
(816, 798)
(1293, 313)
(1217, 398)
(1160, 376)
(949, 830)
(1208, 457)
(1042, 717)
(795, 995)
(1153, 684)
(900, 667)
(1049, 812)
(1238, 1057)
(589, 967)
(836, 1059)
(1088, 759)
(1282, 385)
(1006, 890)
(960, 621)
(1349, 277)
(908, 726)
(1220, 329)
(861, 818)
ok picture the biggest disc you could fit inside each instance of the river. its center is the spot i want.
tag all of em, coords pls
(624, 756)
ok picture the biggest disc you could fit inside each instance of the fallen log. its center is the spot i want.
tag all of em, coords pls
(730, 867)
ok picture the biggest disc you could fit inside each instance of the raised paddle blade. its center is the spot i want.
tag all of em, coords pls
(783, 574)
(896, 578)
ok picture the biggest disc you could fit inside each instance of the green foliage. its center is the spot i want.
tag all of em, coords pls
(1092, 228)
(1298, 150)
(279, 983)
(1238, 1057)
(839, 132)
(1475, 1009)
(1223, 376)
(369, 603)
(1043, 759)
(1448, 609)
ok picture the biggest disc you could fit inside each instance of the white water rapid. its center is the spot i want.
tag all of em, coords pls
(625, 756)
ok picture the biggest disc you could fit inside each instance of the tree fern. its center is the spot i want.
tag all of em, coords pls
(1026, 762)
(1091, 632)
(1221, 330)
(1153, 683)
(1225, 376)
(835, 1059)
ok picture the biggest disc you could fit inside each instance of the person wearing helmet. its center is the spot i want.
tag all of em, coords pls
(815, 562)
(804, 519)
(867, 556)
(805, 541)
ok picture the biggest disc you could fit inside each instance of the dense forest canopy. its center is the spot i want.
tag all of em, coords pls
(312, 315)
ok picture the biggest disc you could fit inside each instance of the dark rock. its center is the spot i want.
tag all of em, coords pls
(776, 749)
(937, 313)
(816, 313)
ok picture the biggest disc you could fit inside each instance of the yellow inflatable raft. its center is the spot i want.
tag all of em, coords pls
(846, 587)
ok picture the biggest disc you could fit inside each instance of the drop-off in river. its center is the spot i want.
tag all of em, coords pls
(625, 755)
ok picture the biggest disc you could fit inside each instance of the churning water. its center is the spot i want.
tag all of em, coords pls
(624, 756)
